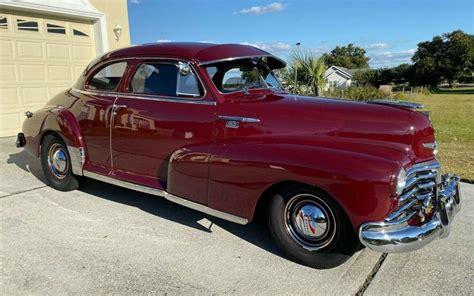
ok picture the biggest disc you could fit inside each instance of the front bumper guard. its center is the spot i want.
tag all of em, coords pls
(398, 236)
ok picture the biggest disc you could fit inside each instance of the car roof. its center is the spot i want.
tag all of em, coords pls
(201, 53)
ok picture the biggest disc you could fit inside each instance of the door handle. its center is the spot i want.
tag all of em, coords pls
(234, 121)
(239, 119)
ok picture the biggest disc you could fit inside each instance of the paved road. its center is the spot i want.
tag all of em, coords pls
(105, 239)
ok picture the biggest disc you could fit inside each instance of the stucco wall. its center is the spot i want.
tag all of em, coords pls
(116, 13)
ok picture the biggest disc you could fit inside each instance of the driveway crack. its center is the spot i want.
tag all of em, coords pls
(371, 275)
(23, 191)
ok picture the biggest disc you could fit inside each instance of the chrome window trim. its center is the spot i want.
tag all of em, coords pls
(243, 91)
(149, 98)
(150, 58)
(97, 69)
(167, 62)
(173, 198)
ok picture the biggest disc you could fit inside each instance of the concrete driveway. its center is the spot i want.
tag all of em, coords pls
(106, 239)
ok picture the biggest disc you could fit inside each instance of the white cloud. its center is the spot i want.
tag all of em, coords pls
(269, 46)
(380, 45)
(163, 40)
(136, 1)
(208, 41)
(391, 58)
(272, 7)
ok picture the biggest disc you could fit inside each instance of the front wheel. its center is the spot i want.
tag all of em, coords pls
(56, 164)
(310, 227)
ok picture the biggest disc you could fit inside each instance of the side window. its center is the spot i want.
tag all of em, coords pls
(108, 77)
(165, 79)
(188, 85)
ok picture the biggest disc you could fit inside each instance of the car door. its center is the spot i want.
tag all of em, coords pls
(162, 128)
(99, 94)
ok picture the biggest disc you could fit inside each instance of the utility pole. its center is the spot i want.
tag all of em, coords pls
(296, 66)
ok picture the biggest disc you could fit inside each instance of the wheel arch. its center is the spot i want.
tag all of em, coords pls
(262, 203)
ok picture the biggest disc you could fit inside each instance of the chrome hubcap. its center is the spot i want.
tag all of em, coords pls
(57, 161)
(309, 221)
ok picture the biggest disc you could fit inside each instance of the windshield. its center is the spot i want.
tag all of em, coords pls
(242, 75)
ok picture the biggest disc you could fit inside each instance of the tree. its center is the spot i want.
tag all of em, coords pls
(449, 57)
(308, 70)
(350, 57)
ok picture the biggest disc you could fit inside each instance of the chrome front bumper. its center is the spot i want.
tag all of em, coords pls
(397, 236)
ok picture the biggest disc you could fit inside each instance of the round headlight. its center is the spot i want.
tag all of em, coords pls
(401, 181)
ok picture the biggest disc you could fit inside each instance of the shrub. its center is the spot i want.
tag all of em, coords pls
(359, 93)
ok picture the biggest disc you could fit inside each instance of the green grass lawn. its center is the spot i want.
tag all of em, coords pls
(452, 113)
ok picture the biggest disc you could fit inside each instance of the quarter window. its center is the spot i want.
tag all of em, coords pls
(3, 22)
(165, 79)
(55, 29)
(107, 78)
(25, 25)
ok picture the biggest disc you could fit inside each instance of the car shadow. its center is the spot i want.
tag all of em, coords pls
(254, 233)
(28, 163)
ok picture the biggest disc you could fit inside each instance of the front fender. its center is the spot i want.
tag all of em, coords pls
(360, 182)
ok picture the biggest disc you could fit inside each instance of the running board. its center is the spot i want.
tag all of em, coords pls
(168, 196)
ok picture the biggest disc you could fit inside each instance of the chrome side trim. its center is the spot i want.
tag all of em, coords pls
(168, 196)
(77, 159)
(395, 103)
(239, 119)
(171, 100)
(149, 98)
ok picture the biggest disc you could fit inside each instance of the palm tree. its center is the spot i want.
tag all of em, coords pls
(310, 71)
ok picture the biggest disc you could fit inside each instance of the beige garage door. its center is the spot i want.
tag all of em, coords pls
(39, 57)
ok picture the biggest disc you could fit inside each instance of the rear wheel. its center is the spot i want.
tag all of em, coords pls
(310, 227)
(56, 164)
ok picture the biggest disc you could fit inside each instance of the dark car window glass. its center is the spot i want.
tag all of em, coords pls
(164, 80)
(108, 77)
(155, 79)
(188, 85)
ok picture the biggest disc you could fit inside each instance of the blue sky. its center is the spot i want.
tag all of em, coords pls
(388, 29)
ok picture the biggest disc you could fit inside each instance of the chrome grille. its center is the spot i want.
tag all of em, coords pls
(420, 193)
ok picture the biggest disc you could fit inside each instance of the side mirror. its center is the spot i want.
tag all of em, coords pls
(184, 68)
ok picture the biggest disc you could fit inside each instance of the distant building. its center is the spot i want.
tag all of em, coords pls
(338, 77)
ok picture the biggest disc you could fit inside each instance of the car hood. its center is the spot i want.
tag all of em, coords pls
(384, 131)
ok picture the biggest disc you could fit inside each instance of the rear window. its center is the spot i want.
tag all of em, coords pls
(107, 78)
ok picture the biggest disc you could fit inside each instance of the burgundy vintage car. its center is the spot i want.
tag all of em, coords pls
(210, 127)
